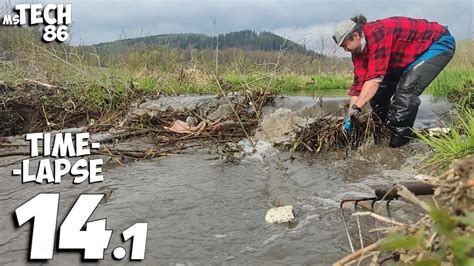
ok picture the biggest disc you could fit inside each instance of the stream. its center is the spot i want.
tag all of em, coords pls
(201, 209)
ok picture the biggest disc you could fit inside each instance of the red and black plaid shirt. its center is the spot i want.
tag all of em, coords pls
(392, 43)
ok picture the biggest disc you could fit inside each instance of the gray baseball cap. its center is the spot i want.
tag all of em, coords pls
(343, 29)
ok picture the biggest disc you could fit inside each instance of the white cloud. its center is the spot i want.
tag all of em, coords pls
(316, 37)
(99, 21)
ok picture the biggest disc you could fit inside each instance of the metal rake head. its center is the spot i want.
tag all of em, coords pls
(386, 194)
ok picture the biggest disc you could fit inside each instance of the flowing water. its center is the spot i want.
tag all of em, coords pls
(203, 210)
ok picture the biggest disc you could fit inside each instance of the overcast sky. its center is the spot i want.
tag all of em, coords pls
(298, 20)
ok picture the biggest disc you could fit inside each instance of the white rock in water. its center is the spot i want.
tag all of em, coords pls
(280, 215)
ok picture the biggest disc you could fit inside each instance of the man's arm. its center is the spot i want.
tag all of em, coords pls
(352, 101)
(368, 91)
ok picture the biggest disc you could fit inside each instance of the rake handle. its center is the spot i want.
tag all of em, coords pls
(416, 188)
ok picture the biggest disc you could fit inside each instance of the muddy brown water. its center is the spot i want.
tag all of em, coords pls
(202, 210)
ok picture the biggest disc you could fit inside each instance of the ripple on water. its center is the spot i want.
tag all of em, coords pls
(202, 210)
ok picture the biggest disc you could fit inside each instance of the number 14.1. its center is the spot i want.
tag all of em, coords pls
(43, 209)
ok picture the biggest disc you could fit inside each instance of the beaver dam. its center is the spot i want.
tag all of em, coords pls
(204, 170)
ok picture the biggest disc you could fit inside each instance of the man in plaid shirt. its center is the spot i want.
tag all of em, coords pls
(394, 59)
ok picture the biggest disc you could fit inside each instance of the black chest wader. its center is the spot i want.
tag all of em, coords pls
(397, 99)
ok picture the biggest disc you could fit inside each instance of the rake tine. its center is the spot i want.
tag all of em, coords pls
(345, 225)
(375, 221)
(381, 194)
(389, 214)
(358, 225)
(356, 201)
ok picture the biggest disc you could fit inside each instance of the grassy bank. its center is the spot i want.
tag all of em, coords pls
(291, 82)
(105, 82)
(456, 144)
(456, 81)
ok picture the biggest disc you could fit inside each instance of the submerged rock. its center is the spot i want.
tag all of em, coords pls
(280, 215)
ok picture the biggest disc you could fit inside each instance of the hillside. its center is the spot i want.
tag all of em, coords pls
(246, 40)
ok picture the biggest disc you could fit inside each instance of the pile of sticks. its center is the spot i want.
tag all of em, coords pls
(327, 133)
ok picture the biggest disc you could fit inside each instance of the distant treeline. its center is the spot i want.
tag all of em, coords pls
(242, 52)
(246, 40)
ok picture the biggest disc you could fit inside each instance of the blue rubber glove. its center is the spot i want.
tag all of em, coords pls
(347, 125)
(353, 112)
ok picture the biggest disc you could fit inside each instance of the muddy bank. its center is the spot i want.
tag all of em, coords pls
(33, 107)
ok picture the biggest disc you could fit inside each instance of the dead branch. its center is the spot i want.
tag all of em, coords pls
(407, 194)
(42, 84)
(357, 254)
(379, 217)
(111, 138)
